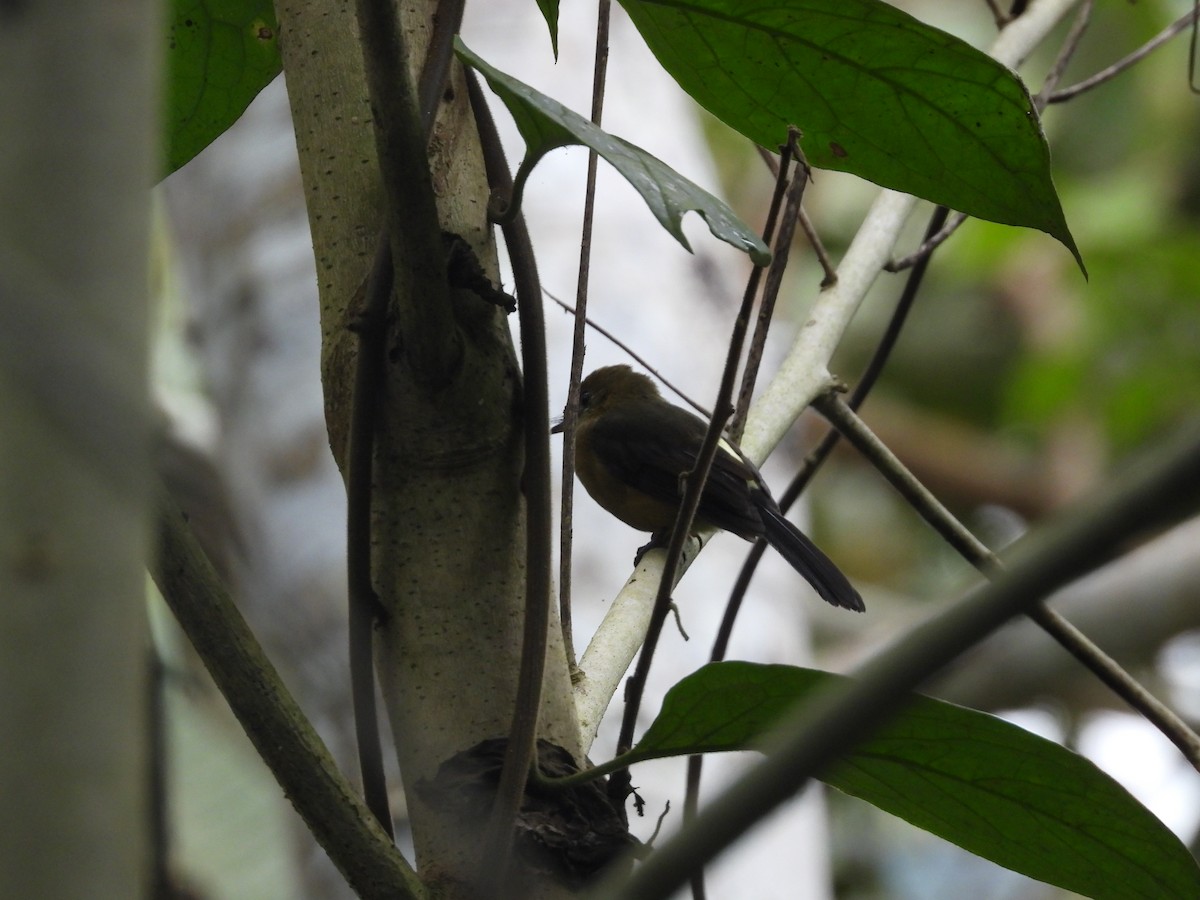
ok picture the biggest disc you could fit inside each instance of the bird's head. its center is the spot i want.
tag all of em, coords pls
(608, 387)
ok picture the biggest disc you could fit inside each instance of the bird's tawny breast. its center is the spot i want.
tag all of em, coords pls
(631, 506)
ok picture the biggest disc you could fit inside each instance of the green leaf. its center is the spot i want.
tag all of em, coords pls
(549, 9)
(220, 54)
(875, 92)
(546, 125)
(994, 789)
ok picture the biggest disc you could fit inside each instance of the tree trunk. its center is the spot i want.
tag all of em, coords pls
(449, 522)
(78, 103)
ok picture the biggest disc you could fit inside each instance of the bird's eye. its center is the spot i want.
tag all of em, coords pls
(585, 399)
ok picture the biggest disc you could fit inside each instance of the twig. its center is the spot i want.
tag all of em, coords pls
(1192, 43)
(998, 15)
(634, 355)
(618, 785)
(806, 225)
(1120, 682)
(924, 503)
(522, 738)
(814, 241)
(1110, 72)
(1066, 53)
(571, 413)
(959, 537)
(931, 243)
(783, 241)
(779, 259)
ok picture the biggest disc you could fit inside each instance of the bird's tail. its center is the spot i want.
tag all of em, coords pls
(805, 557)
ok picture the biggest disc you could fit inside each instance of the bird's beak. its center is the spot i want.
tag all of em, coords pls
(556, 425)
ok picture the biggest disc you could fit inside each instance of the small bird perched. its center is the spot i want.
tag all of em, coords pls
(632, 448)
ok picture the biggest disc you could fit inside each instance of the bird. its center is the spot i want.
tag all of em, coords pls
(632, 449)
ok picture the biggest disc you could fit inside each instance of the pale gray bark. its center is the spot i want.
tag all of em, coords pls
(78, 101)
(449, 529)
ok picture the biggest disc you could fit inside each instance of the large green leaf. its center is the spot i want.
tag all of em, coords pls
(220, 54)
(876, 93)
(546, 125)
(990, 787)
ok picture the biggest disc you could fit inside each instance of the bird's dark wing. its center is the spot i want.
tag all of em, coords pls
(807, 559)
(648, 449)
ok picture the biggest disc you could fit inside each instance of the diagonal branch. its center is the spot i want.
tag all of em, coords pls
(274, 723)
(1112, 71)
(974, 551)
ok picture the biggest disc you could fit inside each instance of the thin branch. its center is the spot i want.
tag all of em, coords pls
(1192, 43)
(618, 785)
(571, 413)
(822, 730)
(1158, 578)
(634, 355)
(1066, 53)
(923, 502)
(1120, 682)
(272, 720)
(766, 309)
(971, 549)
(999, 16)
(931, 243)
(806, 224)
(779, 260)
(1110, 72)
(818, 246)
(522, 737)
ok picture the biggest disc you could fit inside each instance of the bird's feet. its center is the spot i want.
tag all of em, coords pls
(658, 541)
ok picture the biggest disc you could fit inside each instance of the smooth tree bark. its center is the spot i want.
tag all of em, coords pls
(79, 107)
(449, 520)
